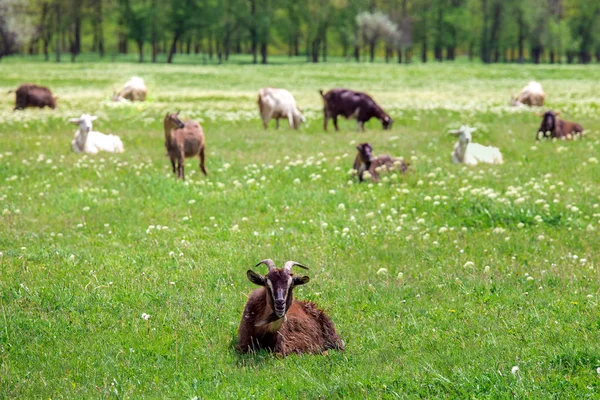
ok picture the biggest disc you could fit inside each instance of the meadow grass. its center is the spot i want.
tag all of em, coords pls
(486, 268)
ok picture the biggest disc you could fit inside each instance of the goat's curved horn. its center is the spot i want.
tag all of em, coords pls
(288, 265)
(268, 262)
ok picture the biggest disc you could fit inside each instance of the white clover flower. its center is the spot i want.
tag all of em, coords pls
(297, 181)
(427, 198)
(421, 221)
(541, 237)
(469, 264)
(370, 215)
(192, 201)
(366, 175)
(530, 278)
(6, 211)
(400, 276)
(332, 191)
(382, 271)
(255, 233)
(145, 316)
(324, 224)
(499, 230)
(520, 200)
(520, 225)
(486, 269)
(341, 206)
(171, 253)
(514, 370)
(235, 228)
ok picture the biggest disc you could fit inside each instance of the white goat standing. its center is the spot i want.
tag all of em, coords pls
(88, 141)
(469, 153)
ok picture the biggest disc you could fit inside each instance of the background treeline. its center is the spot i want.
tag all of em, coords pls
(397, 30)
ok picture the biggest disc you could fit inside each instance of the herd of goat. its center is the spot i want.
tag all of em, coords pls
(272, 319)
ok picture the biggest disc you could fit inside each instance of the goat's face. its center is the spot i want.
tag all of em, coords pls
(549, 121)
(298, 120)
(84, 122)
(365, 150)
(173, 120)
(464, 134)
(387, 122)
(279, 283)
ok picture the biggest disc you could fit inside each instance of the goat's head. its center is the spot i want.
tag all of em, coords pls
(298, 119)
(365, 152)
(387, 122)
(279, 283)
(464, 134)
(549, 120)
(84, 122)
(173, 120)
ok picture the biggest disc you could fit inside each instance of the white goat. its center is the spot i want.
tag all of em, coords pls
(531, 95)
(469, 153)
(88, 141)
(278, 103)
(134, 90)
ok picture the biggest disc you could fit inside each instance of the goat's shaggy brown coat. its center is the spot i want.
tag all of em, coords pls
(305, 328)
(30, 95)
(558, 128)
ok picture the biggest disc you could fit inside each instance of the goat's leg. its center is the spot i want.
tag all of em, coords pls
(202, 168)
(180, 166)
(360, 126)
(325, 119)
(291, 121)
(173, 164)
(276, 123)
(335, 124)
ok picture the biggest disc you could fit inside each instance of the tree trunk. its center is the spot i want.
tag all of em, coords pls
(552, 57)
(140, 44)
(58, 11)
(253, 31)
(173, 48)
(450, 53)
(521, 38)
(372, 50)
(263, 52)
(399, 51)
(485, 51)
(325, 46)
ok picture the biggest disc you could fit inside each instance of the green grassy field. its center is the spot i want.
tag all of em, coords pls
(488, 268)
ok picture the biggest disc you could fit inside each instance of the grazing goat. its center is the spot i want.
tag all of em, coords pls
(134, 90)
(29, 95)
(531, 95)
(466, 152)
(183, 139)
(557, 127)
(366, 162)
(350, 104)
(89, 141)
(279, 103)
(273, 320)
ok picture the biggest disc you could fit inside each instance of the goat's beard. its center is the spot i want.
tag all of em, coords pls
(271, 318)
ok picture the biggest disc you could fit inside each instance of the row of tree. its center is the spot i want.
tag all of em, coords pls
(493, 30)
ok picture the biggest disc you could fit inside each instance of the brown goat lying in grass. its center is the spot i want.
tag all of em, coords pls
(366, 162)
(273, 320)
(183, 139)
(558, 128)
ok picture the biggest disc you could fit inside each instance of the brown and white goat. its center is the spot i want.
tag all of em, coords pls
(183, 139)
(273, 320)
(366, 162)
(558, 128)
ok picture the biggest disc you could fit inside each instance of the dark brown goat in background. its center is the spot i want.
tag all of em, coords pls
(273, 320)
(30, 95)
(557, 127)
(366, 162)
(183, 139)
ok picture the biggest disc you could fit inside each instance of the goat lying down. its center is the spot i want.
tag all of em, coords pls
(366, 162)
(466, 152)
(557, 128)
(89, 141)
(273, 320)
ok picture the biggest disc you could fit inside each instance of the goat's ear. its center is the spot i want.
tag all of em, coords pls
(454, 132)
(539, 114)
(178, 113)
(301, 280)
(255, 278)
(75, 120)
(558, 113)
(93, 118)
